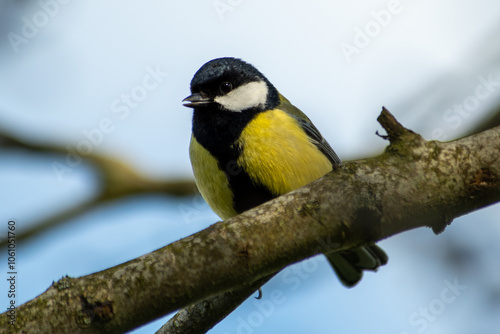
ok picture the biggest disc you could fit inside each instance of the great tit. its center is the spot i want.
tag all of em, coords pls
(249, 144)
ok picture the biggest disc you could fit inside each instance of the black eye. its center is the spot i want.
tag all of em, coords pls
(226, 87)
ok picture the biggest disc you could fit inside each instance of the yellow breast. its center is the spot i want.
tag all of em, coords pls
(278, 154)
(211, 181)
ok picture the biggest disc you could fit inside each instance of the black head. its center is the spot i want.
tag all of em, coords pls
(233, 85)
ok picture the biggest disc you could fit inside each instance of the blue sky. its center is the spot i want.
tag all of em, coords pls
(124, 67)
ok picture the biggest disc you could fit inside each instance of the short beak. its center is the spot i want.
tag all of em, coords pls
(196, 100)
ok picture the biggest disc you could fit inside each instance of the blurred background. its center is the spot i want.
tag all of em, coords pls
(94, 165)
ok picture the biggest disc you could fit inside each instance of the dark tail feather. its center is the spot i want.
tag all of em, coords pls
(349, 265)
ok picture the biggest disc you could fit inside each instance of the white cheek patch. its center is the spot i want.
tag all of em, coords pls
(252, 94)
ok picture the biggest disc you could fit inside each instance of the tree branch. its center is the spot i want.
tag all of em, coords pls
(189, 319)
(202, 316)
(414, 183)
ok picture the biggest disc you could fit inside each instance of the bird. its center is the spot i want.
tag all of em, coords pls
(249, 144)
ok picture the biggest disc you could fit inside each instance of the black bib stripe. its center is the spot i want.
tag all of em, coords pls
(217, 131)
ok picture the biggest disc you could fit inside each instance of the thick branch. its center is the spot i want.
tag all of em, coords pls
(413, 183)
(189, 319)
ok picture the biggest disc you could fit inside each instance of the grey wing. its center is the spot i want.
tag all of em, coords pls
(318, 140)
(313, 133)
